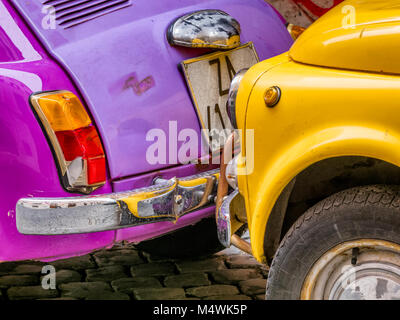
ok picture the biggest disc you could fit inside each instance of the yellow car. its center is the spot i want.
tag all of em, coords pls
(321, 187)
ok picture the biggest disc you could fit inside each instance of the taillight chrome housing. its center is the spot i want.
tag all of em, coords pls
(75, 141)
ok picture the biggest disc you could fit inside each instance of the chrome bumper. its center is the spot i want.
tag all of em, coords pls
(224, 220)
(167, 200)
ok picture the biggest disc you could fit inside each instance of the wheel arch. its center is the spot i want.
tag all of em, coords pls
(358, 146)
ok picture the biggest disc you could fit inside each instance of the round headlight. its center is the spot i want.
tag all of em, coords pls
(231, 103)
(231, 172)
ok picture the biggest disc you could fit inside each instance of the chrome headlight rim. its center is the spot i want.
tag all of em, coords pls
(233, 90)
(231, 172)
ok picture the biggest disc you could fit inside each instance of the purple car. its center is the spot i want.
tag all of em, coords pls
(98, 100)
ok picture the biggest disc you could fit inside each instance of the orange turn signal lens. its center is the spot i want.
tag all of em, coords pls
(295, 31)
(64, 111)
(272, 96)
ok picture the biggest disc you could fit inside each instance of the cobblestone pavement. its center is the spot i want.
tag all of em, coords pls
(123, 273)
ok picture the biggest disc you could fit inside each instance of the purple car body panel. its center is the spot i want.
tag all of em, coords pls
(104, 54)
(94, 60)
(26, 162)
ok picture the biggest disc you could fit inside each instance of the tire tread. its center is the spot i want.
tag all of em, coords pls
(383, 196)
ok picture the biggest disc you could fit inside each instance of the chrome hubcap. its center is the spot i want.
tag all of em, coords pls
(357, 270)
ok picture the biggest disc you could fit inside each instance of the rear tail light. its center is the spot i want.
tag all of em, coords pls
(75, 141)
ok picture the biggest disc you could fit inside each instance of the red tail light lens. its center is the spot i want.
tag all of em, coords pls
(83, 143)
(75, 140)
(96, 172)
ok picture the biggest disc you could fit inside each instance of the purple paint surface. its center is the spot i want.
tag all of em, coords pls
(93, 60)
(101, 52)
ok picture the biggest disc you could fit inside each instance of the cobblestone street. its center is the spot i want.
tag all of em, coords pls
(123, 273)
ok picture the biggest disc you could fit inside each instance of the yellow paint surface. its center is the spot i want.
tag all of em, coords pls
(355, 35)
(322, 113)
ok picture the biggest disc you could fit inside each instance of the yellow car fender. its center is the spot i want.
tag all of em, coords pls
(322, 113)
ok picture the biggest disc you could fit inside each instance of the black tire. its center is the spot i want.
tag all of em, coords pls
(193, 241)
(371, 212)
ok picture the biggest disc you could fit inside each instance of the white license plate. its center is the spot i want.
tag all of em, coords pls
(208, 78)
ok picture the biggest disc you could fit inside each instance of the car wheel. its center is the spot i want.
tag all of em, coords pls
(197, 240)
(345, 247)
